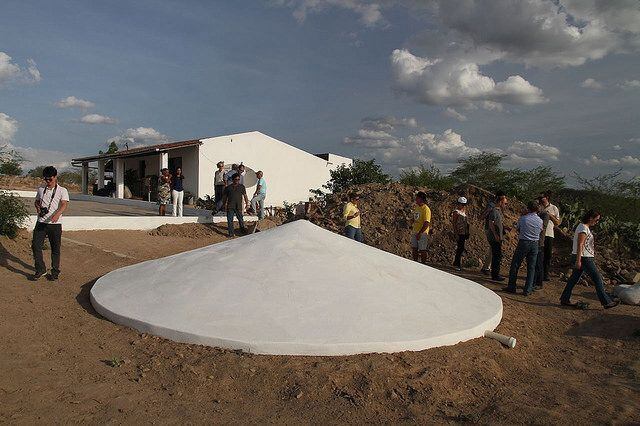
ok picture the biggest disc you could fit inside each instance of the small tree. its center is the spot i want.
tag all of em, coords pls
(11, 168)
(360, 172)
(113, 148)
(482, 170)
(430, 177)
(13, 214)
(37, 172)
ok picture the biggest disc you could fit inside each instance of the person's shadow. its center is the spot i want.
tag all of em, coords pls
(6, 257)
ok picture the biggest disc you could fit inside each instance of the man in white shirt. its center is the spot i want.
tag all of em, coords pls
(51, 201)
(554, 220)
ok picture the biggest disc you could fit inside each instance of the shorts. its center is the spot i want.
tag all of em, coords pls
(421, 244)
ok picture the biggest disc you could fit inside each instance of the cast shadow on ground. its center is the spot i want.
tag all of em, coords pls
(84, 300)
(6, 257)
(614, 326)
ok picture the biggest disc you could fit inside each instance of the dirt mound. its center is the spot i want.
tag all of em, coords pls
(386, 212)
(190, 230)
(387, 218)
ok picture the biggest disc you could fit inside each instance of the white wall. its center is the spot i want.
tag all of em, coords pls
(289, 172)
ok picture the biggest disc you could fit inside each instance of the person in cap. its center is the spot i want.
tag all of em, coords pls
(460, 230)
(421, 226)
(51, 201)
(351, 216)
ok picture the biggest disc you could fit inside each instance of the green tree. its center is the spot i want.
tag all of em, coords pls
(113, 148)
(13, 214)
(360, 172)
(36, 172)
(483, 170)
(430, 177)
(526, 185)
(11, 168)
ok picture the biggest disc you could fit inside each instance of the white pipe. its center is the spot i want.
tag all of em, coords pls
(505, 340)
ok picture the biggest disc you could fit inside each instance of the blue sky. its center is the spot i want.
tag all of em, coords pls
(406, 82)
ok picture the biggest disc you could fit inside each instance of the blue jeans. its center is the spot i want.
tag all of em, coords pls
(529, 250)
(238, 214)
(539, 275)
(588, 266)
(258, 200)
(353, 233)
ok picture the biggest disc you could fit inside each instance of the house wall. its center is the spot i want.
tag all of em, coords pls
(289, 172)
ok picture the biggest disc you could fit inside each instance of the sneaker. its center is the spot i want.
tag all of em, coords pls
(498, 279)
(37, 276)
(611, 305)
(53, 276)
(459, 269)
(509, 290)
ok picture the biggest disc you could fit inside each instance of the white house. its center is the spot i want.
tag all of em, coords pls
(289, 172)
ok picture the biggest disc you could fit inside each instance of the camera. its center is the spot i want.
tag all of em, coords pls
(43, 211)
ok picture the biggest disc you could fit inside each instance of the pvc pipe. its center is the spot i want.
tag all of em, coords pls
(508, 341)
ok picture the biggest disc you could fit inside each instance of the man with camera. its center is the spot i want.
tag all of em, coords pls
(51, 201)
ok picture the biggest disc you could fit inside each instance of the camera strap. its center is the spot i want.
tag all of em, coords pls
(53, 194)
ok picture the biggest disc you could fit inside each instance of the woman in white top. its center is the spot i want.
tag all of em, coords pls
(583, 256)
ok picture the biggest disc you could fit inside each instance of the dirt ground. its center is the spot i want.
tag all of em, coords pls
(63, 363)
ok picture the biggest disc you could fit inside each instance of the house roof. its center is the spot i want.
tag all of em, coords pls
(143, 150)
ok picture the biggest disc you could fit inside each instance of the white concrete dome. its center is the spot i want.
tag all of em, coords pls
(297, 290)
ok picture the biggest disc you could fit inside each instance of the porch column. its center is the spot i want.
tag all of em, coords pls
(118, 164)
(101, 166)
(85, 177)
(164, 161)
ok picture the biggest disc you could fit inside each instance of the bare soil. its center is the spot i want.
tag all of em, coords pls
(63, 363)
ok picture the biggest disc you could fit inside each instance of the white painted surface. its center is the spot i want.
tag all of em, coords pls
(289, 172)
(299, 290)
(118, 164)
(147, 205)
(140, 223)
(19, 193)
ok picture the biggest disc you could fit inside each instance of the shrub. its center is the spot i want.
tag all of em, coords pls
(430, 177)
(13, 214)
(360, 172)
(11, 168)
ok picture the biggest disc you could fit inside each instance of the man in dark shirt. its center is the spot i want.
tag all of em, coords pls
(232, 202)
(495, 224)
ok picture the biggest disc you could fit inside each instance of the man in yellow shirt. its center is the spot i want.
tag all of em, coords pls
(351, 216)
(420, 230)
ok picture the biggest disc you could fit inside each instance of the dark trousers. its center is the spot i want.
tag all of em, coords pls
(588, 266)
(353, 233)
(238, 214)
(217, 197)
(459, 250)
(537, 280)
(524, 250)
(496, 258)
(52, 231)
(548, 250)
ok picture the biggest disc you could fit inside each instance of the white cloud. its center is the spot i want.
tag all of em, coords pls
(388, 123)
(138, 136)
(97, 119)
(523, 151)
(630, 84)
(616, 147)
(12, 72)
(627, 161)
(454, 82)
(34, 157)
(8, 128)
(590, 83)
(369, 12)
(73, 102)
(452, 113)
(543, 32)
